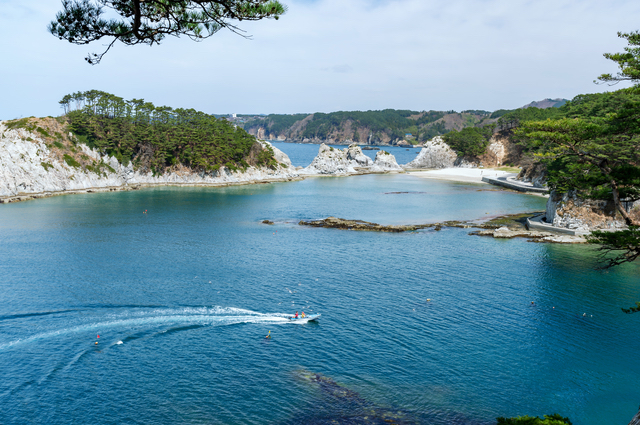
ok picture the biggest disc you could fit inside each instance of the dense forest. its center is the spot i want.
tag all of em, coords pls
(160, 137)
(365, 127)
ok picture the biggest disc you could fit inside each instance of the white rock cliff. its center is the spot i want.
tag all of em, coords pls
(28, 169)
(349, 161)
(435, 154)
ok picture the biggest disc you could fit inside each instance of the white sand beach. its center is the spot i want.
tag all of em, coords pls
(473, 175)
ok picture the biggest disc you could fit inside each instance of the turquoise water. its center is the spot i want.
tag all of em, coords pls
(192, 287)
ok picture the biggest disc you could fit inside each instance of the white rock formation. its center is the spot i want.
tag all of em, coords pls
(345, 162)
(354, 154)
(385, 162)
(280, 156)
(435, 154)
(28, 167)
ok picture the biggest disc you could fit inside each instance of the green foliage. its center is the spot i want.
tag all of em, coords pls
(624, 245)
(500, 112)
(149, 22)
(58, 145)
(43, 132)
(46, 166)
(71, 162)
(21, 123)
(162, 135)
(628, 62)
(394, 123)
(554, 419)
(471, 141)
(514, 118)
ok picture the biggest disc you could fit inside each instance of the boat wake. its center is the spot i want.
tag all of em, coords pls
(138, 322)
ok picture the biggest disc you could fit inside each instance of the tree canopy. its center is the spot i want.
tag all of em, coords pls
(594, 147)
(628, 62)
(150, 21)
(157, 138)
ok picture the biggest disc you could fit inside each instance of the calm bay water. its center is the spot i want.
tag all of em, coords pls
(301, 154)
(192, 287)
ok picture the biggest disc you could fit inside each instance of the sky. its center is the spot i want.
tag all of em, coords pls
(331, 55)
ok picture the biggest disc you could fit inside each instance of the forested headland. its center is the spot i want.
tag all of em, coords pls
(160, 137)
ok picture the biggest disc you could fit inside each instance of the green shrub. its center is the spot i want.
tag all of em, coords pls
(43, 131)
(554, 419)
(58, 145)
(46, 166)
(71, 162)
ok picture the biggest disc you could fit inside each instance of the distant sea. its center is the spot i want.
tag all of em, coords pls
(183, 284)
(301, 154)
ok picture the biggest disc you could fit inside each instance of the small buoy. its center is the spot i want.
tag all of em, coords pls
(98, 336)
(428, 299)
(96, 342)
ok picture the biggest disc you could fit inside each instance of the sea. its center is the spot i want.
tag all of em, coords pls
(152, 307)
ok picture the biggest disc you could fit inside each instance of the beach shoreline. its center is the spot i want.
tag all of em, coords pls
(463, 175)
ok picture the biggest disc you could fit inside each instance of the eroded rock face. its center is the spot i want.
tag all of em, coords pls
(332, 161)
(535, 174)
(28, 167)
(385, 162)
(435, 154)
(280, 156)
(354, 154)
(571, 212)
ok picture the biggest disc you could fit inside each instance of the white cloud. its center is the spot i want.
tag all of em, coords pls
(328, 55)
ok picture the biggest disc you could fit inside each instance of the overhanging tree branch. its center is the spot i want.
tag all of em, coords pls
(149, 21)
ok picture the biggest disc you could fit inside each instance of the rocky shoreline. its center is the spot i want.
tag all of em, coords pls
(503, 227)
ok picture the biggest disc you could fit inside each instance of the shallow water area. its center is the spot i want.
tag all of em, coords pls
(183, 284)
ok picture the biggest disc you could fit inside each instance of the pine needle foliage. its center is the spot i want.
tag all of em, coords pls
(150, 21)
(161, 137)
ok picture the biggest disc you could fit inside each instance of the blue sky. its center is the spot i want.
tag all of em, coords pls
(329, 55)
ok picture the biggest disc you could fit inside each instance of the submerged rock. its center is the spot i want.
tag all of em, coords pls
(337, 404)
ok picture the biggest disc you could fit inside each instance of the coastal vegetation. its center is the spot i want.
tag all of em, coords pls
(158, 138)
(150, 21)
(554, 419)
(367, 127)
(593, 147)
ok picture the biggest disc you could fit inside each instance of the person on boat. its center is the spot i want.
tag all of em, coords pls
(303, 314)
(296, 316)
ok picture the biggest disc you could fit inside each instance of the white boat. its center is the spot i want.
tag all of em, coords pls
(307, 318)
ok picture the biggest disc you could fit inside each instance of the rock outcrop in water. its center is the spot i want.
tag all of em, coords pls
(435, 154)
(341, 223)
(31, 168)
(349, 161)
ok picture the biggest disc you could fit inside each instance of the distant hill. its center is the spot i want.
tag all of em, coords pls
(546, 103)
(386, 127)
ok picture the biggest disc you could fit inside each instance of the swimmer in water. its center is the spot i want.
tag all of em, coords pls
(268, 335)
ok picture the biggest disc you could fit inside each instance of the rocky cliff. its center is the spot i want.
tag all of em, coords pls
(349, 161)
(569, 211)
(435, 154)
(34, 165)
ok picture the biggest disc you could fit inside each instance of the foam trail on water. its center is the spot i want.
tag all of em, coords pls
(204, 316)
